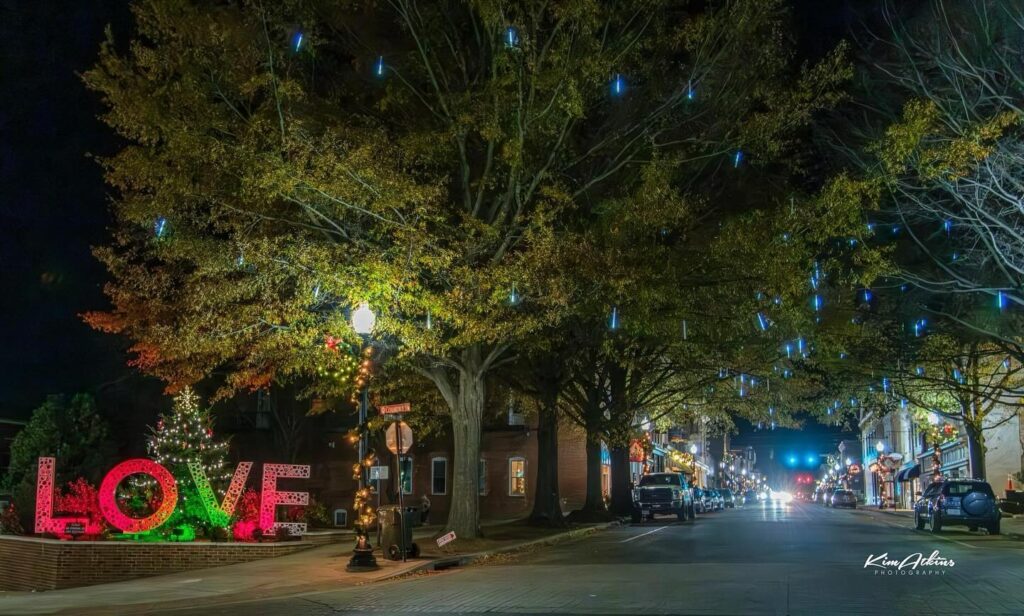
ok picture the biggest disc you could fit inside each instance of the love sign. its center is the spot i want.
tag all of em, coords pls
(219, 512)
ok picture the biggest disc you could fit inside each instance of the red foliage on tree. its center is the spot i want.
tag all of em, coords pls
(82, 498)
(247, 515)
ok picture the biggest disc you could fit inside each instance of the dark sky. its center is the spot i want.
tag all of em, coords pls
(54, 205)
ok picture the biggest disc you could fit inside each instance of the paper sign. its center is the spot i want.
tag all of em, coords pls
(444, 540)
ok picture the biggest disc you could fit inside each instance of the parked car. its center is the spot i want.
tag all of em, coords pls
(843, 498)
(728, 498)
(701, 500)
(719, 500)
(958, 502)
(663, 493)
(750, 497)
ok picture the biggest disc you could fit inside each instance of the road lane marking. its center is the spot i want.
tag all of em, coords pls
(643, 534)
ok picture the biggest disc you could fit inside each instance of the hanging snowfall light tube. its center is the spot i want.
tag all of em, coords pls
(613, 320)
(1001, 300)
(297, 39)
(618, 85)
(378, 68)
(511, 37)
(762, 322)
(737, 158)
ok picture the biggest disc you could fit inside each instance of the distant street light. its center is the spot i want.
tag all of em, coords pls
(744, 472)
(693, 449)
(879, 446)
(849, 461)
(732, 467)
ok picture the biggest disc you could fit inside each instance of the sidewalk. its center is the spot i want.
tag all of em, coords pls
(315, 569)
(1011, 526)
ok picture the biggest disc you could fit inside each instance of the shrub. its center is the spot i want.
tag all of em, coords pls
(9, 522)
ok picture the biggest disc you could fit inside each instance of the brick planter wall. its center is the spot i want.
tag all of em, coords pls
(28, 563)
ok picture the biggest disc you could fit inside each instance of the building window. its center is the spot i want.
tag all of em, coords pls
(516, 416)
(516, 477)
(406, 474)
(340, 517)
(481, 470)
(439, 476)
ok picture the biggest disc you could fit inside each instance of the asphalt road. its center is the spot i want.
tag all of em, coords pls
(763, 559)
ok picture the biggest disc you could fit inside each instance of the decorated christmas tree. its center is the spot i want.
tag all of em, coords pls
(186, 436)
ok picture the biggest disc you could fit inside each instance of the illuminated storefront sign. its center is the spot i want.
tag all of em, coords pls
(270, 496)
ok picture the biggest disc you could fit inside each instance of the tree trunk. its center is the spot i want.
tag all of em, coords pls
(547, 505)
(595, 499)
(622, 492)
(975, 450)
(467, 417)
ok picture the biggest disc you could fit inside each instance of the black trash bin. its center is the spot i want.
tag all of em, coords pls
(391, 531)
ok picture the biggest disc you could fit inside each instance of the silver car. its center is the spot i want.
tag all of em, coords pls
(843, 498)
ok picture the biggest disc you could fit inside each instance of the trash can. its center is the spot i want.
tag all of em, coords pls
(412, 512)
(391, 531)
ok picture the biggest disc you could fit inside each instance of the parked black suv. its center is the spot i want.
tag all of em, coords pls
(958, 502)
(663, 493)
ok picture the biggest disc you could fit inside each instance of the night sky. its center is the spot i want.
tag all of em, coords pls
(54, 204)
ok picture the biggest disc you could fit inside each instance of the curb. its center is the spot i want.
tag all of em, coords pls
(908, 516)
(440, 564)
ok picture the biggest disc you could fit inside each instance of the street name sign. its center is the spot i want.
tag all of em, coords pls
(395, 409)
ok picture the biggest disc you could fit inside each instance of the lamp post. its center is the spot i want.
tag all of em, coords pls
(879, 488)
(363, 320)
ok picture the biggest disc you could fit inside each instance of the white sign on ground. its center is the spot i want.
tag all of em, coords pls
(444, 540)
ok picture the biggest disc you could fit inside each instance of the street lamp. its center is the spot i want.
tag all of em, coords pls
(693, 449)
(879, 446)
(849, 461)
(363, 320)
(744, 472)
(732, 467)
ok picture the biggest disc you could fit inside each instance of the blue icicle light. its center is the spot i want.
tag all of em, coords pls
(618, 85)
(297, 40)
(613, 320)
(511, 37)
(160, 226)
(378, 68)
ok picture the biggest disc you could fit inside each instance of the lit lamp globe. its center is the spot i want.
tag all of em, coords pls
(363, 319)
(744, 471)
(849, 461)
(693, 449)
(879, 446)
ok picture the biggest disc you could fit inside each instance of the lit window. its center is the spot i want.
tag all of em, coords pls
(439, 476)
(406, 474)
(516, 477)
(481, 470)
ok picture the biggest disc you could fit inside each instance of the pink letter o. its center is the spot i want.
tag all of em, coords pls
(108, 495)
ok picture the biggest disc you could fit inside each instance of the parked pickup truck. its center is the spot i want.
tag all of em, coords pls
(663, 493)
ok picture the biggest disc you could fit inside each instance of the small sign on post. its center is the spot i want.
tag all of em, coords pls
(395, 409)
(74, 529)
(444, 540)
(379, 473)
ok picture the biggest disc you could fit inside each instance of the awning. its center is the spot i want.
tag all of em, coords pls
(909, 474)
